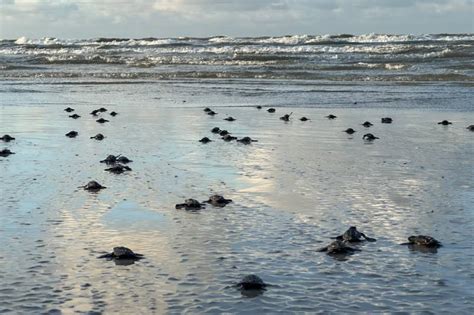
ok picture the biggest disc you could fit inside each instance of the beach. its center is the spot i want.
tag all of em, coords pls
(299, 185)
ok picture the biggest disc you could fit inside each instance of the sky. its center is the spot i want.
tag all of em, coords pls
(201, 18)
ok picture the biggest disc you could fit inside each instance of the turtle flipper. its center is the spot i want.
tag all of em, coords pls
(407, 243)
(108, 256)
(339, 238)
(323, 249)
(368, 239)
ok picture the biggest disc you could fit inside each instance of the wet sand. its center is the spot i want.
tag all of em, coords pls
(300, 184)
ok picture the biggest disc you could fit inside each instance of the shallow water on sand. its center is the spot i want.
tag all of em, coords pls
(299, 185)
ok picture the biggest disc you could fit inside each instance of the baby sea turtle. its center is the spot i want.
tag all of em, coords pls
(286, 117)
(304, 118)
(6, 152)
(94, 112)
(102, 120)
(211, 113)
(113, 114)
(69, 109)
(338, 247)
(367, 124)
(423, 240)
(331, 116)
(271, 110)
(123, 159)
(445, 123)
(7, 138)
(72, 134)
(369, 137)
(223, 132)
(215, 130)
(218, 201)
(352, 235)
(98, 136)
(122, 253)
(230, 118)
(470, 128)
(190, 204)
(258, 107)
(387, 120)
(251, 282)
(110, 159)
(205, 140)
(93, 186)
(207, 109)
(228, 138)
(246, 140)
(349, 131)
(118, 169)
(74, 116)
(102, 109)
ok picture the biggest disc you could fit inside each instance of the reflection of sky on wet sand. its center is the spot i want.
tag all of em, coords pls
(295, 187)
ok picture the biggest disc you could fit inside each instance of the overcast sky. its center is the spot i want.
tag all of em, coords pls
(170, 18)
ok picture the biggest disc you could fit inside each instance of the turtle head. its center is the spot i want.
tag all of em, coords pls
(412, 239)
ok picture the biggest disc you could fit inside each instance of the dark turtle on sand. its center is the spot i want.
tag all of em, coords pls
(113, 114)
(331, 116)
(94, 112)
(218, 201)
(7, 138)
(223, 132)
(352, 235)
(258, 107)
(122, 253)
(6, 152)
(211, 113)
(69, 109)
(215, 130)
(338, 248)
(230, 118)
(205, 140)
(387, 120)
(286, 117)
(98, 136)
(190, 204)
(93, 186)
(123, 159)
(367, 124)
(72, 134)
(102, 109)
(207, 109)
(470, 128)
(423, 240)
(102, 120)
(304, 118)
(118, 169)
(228, 138)
(349, 131)
(251, 282)
(74, 116)
(110, 159)
(445, 123)
(369, 137)
(246, 140)
(271, 110)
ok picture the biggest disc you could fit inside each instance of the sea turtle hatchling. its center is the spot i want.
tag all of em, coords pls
(470, 128)
(251, 282)
(101, 120)
(93, 186)
(230, 118)
(69, 109)
(6, 152)
(72, 134)
(223, 132)
(218, 201)
(215, 130)
(98, 136)
(304, 118)
(110, 159)
(387, 120)
(369, 137)
(353, 235)
(118, 169)
(349, 131)
(74, 116)
(190, 204)
(367, 124)
(123, 159)
(205, 140)
(331, 116)
(121, 252)
(246, 140)
(423, 240)
(211, 113)
(286, 117)
(7, 138)
(113, 114)
(229, 138)
(338, 247)
(445, 123)
(271, 110)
